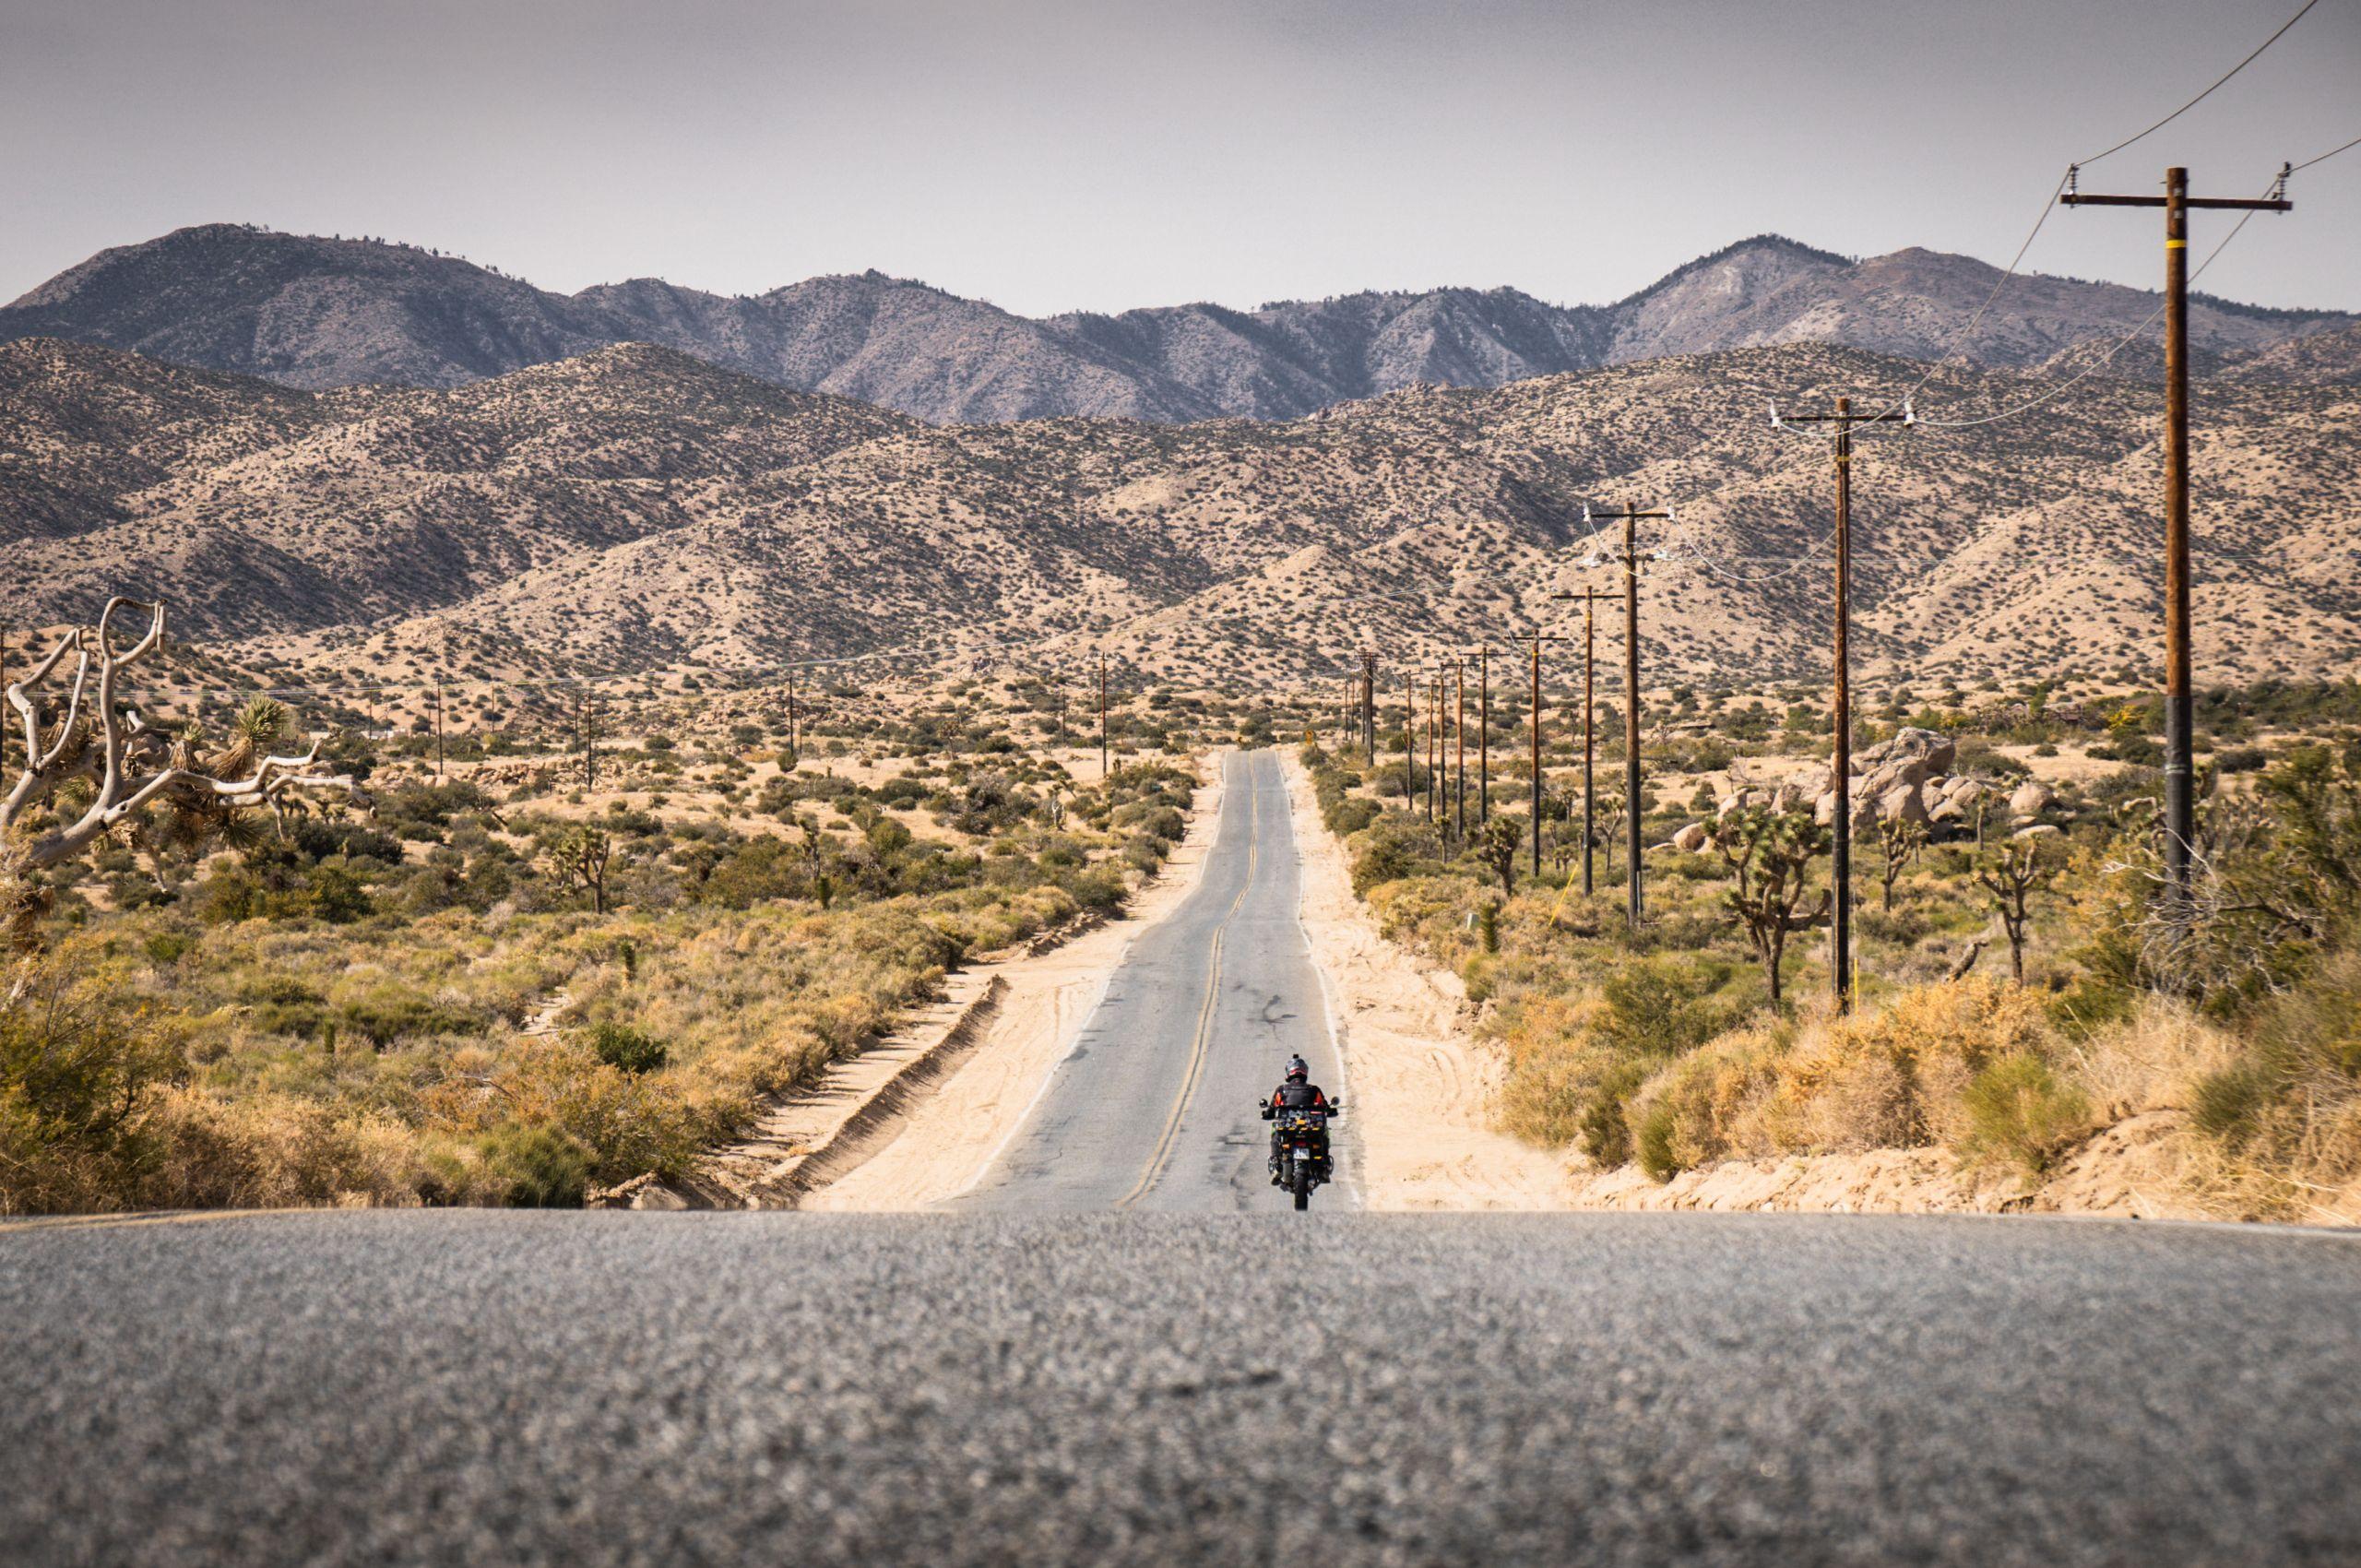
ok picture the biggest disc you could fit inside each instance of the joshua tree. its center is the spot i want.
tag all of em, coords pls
(580, 857)
(1769, 855)
(1901, 840)
(1503, 842)
(2014, 873)
(120, 769)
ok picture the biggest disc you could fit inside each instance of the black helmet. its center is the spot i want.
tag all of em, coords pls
(1296, 1072)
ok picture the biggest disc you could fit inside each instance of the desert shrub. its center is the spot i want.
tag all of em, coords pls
(78, 1059)
(1396, 845)
(625, 1049)
(1652, 1143)
(1706, 1105)
(2017, 1112)
(1897, 1077)
(2289, 1107)
(535, 1168)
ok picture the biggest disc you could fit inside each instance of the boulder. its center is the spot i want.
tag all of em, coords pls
(2038, 830)
(2030, 799)
(1901, 803)
(1690, 840)
(1913, 755)
(1965, 792)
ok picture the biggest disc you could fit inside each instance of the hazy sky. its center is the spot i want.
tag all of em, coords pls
(1049, 156)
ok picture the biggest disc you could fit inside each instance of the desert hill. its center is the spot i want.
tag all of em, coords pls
(316, 314)
(637, 509)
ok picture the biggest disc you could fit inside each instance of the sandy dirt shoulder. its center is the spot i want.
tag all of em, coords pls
(951, 1134)
(1418, 1090)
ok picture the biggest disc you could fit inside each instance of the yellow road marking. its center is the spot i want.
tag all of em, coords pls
(1202, 1038)
(119, 1221)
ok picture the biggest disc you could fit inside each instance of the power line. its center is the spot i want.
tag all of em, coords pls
(2108, 358)
(2208, 92)
(2324, 157)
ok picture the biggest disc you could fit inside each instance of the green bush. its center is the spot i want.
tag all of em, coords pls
(2020, 1113)
(626, 1049)
(1652, 1144)
(535, 1167)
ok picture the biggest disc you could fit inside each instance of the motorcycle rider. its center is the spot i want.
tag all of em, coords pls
(1298, 1092)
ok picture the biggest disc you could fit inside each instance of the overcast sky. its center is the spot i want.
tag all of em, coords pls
(1052, 156)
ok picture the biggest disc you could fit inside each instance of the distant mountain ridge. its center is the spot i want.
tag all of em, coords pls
(636, 509)
(318, 314)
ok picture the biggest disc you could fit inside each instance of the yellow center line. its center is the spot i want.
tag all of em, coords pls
(121, 1221)
(1202, 1038)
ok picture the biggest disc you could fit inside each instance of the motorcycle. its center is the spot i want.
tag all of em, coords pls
(1305, 1160)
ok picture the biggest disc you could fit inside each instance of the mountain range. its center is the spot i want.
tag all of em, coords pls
(635, 510)
(321, 313)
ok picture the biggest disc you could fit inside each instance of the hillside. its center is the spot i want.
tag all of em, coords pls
(637, 509)
(318, 314)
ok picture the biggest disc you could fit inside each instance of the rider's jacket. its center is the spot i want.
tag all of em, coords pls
(1298, 1097)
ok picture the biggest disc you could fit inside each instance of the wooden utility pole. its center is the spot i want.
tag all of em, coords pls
(1589, 596)
(1459, 737)
(1840, 860)
(1590, 730)
(438, 728)
(1434, 741)
(794, 742)
(1484, 735)
(1369, 706)
(1631, 518)
(1102, 715)
(1537, 639)
(2180, 778)
(1410, 740)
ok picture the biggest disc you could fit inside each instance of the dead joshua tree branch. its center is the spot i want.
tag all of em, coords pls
(131, 767)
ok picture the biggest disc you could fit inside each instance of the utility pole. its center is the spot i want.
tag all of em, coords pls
(2180, 779)
(438, 726)
(1537, 639)
(1840, 861)
(1102, 715)
(1426, 745)
(1409, 734)
(1484, 736)
(1459, 737)
(1369, 706)
(1589, 596)
(794, 743)
(1631, 518)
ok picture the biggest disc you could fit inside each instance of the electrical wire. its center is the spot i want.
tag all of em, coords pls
(2332, 152)
(2208, 92)
(2106, 359)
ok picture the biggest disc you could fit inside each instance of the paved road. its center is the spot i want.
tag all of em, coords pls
(1147, 1388)
(1156, 1108)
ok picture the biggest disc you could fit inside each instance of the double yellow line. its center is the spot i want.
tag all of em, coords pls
(1201, 1041)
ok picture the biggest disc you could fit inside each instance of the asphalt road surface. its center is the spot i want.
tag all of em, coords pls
(1149, 1388)
(1156, 1108)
